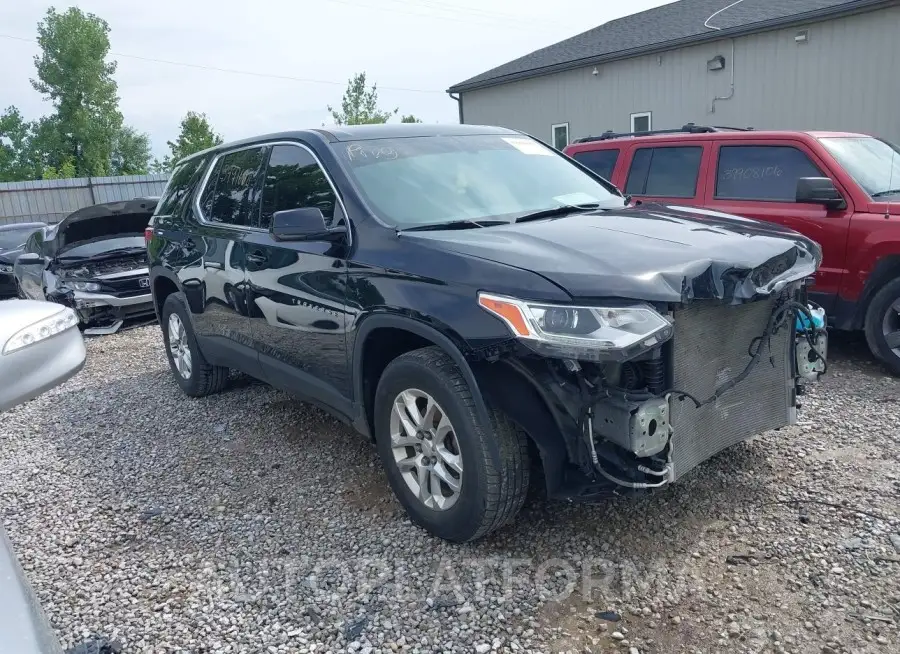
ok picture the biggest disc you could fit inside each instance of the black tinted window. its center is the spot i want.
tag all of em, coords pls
(762, 172)
(664, 172)
(181, 184)
(232, 194)
(602, 162)
(293, 180)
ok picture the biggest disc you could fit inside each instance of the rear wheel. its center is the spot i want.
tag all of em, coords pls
(196, 376)
(883, 325)
(436, 451)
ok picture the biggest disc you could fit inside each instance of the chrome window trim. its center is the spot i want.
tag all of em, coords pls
(267, 144)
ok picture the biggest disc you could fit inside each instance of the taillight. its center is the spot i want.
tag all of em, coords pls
(148, 235)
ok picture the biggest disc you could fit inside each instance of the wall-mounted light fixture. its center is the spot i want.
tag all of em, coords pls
(802, 36)
(716, 63)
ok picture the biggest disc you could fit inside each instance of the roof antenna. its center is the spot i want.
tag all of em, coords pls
(706, 24)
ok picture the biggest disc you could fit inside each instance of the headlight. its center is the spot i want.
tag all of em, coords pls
(42, 330)
(586, 333)
(5, 268)
(90, 287)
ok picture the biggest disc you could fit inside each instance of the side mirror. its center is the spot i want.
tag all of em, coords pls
(40, 348)
(304, 224)
(30, 259)
(820, 190)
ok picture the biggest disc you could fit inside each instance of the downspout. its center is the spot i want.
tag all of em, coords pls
(706, 24)
(459, 105)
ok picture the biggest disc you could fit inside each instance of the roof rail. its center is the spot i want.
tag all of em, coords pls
(690, 128)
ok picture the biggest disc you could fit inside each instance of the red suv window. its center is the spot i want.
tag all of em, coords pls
(761, 172)
(602, 162)
(670, 172)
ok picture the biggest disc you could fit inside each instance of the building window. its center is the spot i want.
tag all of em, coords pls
(669, 172)
(560, 135)
(641, 122)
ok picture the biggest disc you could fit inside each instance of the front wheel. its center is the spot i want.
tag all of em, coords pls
(883, 325)
(436, 451)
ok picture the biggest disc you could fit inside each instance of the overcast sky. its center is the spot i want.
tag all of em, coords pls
(426, 45)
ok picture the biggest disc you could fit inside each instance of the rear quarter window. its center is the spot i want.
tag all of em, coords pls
(602, 162)
(761, 172)
(180, 186)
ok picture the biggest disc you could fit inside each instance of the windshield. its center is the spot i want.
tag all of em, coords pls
(101, 247)
(436, 179)
(873, 163)
(13, 238)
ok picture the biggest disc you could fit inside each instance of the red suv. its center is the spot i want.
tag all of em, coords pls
(840, 189)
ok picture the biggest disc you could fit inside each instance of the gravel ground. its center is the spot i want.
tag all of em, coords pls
(249, 522)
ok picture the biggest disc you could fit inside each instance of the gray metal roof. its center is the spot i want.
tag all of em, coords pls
(670, 26)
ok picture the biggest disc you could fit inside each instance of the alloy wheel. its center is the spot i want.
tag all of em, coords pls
(178, 346)
(426, 449)
(890, 327)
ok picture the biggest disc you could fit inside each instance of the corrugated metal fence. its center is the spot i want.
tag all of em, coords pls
(52, 200)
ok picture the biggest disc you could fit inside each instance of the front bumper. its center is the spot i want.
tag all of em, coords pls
(99, 299)
(105, 312)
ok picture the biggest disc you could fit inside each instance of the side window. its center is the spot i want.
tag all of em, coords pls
(761, 172)
(31, 244)
(665, 172)
(294, 179)
(178, 189)
(602, 162)
(231, 195)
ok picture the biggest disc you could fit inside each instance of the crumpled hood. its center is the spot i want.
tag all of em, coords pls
(106, 220)
(650, 252)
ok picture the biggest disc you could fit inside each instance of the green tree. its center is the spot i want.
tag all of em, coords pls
(66, 170)
(74, 75)
(409, 119)
(17, 161)
(196, 134)
(131, 153)
(359, 105)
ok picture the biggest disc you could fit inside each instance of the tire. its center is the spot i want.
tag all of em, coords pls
(200, 378)
(488, 496)
(884, 310)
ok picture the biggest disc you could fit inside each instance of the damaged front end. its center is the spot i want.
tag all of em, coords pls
(662, 387)
(99, 265)
(105, 293)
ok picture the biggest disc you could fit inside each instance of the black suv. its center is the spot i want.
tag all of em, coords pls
(482, 307)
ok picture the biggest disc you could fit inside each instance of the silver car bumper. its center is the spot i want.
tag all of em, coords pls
(83, 299)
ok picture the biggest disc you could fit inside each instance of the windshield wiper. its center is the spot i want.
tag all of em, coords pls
(557, 211)
(881, 194)
(465, 223)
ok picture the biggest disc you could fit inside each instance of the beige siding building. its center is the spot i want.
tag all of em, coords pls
(769, 64)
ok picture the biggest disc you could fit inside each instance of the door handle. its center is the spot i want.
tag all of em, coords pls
(256, 258)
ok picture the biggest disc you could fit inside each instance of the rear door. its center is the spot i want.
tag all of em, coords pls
(214, 277)
(758, 179)
(297, 289)
(666, 173)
